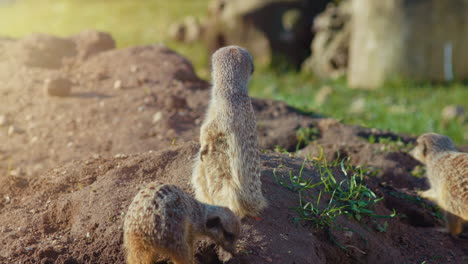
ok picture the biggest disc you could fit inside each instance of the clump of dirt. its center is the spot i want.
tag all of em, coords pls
(70, 166)
(121, 101)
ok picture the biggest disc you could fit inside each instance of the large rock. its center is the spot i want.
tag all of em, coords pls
(91, 42)
(330, 46)
(420, 40)
(276, 31)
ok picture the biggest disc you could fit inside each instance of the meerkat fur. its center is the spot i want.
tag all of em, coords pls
(447, 172)
(227, 168)
(164, 222)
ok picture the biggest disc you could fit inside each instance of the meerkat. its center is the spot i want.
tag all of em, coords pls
(164, 222)
(447, 172)
(227, 168)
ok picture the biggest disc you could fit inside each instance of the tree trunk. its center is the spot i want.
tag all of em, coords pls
(422, 40)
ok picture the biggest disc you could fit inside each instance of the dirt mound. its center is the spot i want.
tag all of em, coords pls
(122, 101)
(74, 214)
(70, 165)
(383, 150)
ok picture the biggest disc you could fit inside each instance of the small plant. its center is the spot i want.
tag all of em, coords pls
(390, 144)
(282, 150)
(350, 196)
(305, 135)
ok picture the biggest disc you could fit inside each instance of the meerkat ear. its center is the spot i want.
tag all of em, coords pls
(213, 222)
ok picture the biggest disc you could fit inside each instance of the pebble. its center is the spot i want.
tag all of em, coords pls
(14, 130)
(33, 140)
(4, 120)
(60, 87)
(133, 68)
(176, 102)
(156, 117)
(121, 156)
(118, 84)
(16, 172)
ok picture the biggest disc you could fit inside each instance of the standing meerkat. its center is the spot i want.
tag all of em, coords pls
(447, 171)
(164, 222)
(227, 168)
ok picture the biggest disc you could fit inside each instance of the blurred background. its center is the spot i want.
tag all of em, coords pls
(400, 65)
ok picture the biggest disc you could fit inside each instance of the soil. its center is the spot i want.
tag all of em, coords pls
(70, 166)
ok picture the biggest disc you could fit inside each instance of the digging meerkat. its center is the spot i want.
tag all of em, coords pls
(164, 222)
(447, 171)
(227, 168)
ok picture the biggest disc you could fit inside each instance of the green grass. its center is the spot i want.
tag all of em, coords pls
(334, 196)
(402, 107)
(348, 196)
(390, 144)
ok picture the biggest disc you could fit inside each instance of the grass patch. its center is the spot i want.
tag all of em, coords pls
(305, 136)
(390, 144)
(349, 197)
(403, 108)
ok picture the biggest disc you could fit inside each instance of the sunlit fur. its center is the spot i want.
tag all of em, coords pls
(227, 168)
(164, 222)
(447, 172)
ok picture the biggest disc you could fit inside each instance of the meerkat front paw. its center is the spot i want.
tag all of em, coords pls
(428, 194)
(203, 152)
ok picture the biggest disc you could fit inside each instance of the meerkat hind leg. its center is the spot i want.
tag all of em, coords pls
(185, 254)
(454, 224)
(138, 252)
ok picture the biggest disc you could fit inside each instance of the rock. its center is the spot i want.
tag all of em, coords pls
(44, 51)
(274, 31)
(118, 84)
(451, 112)
(156, 117)
(4, 120)
(330, 46)
(176, 102)
(92, 42)
(121, 156)
(187, 31)
(60, 87)
(14, 130)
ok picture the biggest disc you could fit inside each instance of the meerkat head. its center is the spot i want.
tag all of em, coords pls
(430, 144)
(232, 65)
(222, 225)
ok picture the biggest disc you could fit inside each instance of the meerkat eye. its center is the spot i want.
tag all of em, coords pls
(213, 222)
(229, 236)
(424, 149)
(252, 69)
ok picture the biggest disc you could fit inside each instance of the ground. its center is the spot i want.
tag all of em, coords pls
(70, 166)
